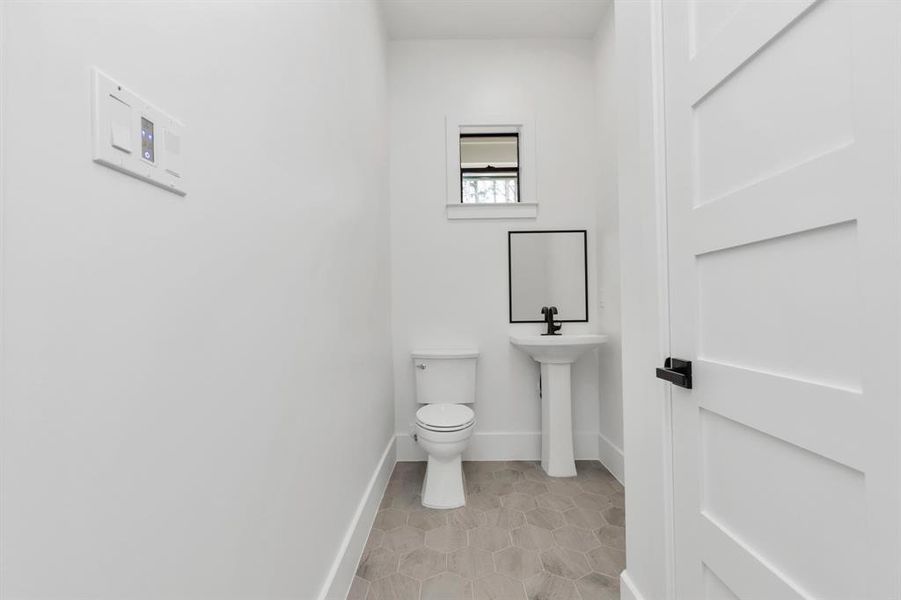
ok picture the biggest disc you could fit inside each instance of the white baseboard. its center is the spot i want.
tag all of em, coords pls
(612, 458)
(499, 445)
(627, 589)
(341, 575)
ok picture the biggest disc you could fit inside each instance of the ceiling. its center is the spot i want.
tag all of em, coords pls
(416, 19)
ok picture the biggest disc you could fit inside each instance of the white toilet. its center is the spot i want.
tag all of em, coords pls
(445, 384)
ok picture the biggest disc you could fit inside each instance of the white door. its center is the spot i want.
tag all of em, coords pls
(783, 218)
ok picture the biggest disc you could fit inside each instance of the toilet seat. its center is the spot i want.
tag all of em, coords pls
(445, 417)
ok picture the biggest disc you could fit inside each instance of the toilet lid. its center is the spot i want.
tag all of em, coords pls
(445, 416)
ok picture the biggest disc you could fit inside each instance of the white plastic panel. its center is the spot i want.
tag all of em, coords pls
(134, 137)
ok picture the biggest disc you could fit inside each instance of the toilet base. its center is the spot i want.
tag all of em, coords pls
(443, 484)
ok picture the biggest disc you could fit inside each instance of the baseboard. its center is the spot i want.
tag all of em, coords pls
(500, 445)
(612, 458)
(341, 575)
(627, 589)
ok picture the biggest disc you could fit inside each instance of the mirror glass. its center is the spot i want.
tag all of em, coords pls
(548, 268)
(489, 168)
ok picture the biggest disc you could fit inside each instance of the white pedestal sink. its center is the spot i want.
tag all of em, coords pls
(556, 354)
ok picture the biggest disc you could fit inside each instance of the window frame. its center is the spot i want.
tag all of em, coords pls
(489, 169)
(524, 124)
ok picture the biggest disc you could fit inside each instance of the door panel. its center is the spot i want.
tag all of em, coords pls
(783, 201)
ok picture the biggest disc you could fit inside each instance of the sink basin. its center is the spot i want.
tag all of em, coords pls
(557, 349)
(556, 353)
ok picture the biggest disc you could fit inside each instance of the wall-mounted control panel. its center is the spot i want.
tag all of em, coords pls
(134, 137)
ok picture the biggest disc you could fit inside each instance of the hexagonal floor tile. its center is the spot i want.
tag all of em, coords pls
(532, 488)
(551, 587)
(472, 477)
(483, 502)
(591, 501)
(510, 475)
(470, 563)
(612, 536)
(376, 536)
(607, 561)
(584, 518)
(404, 539)
(446, 538)
(532, 538)
(394, 587)
(522, 535)
(498, 488)
(409, 467)
(598, 486)
(446, 586)
(517, 563)
(565, 563)
(379, 563)
(358, 589)
(423, 563)
(389, 519)
(537, 474)
(474, 467)
(426, 519)
(545, 518)
(519, 501)
(554, 501)
(615, 516)
(466, 517)
(584, 467)
(498, 587)
(479, 469)
(505, 518)
(407, 501)
(598, 587)
(575, 538)
(618, 498)
(564, 487)
(522, 465)
(489, 538)
(596, 474)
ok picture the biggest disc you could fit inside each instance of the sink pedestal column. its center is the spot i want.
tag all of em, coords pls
(556, 353)
(557, 420)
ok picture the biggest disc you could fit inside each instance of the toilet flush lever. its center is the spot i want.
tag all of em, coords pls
(420, 366)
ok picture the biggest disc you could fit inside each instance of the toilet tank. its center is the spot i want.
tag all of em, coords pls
(445, 375)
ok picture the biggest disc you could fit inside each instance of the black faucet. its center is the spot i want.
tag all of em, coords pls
(552, 327)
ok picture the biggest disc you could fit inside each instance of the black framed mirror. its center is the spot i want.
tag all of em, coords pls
(548, 268)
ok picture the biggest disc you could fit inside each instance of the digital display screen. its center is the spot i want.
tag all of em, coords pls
(147, 139)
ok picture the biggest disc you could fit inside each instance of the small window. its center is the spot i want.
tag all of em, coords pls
(489, 168)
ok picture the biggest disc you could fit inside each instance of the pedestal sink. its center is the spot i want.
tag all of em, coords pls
(556, 354)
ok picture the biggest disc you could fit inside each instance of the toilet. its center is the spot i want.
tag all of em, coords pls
(445, 384)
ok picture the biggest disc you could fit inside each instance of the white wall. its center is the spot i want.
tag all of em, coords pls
(449, 282)
(608, 256)
(195, 391)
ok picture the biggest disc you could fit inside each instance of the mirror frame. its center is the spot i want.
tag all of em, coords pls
(510, 235)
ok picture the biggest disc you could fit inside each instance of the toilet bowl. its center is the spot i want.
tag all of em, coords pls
(443, 431)
(445, 384)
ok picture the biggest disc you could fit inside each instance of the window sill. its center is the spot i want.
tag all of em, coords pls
(519, 210)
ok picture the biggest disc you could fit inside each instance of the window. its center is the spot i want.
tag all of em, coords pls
(489, 168)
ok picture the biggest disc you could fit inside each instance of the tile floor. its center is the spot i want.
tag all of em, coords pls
(521, 535)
